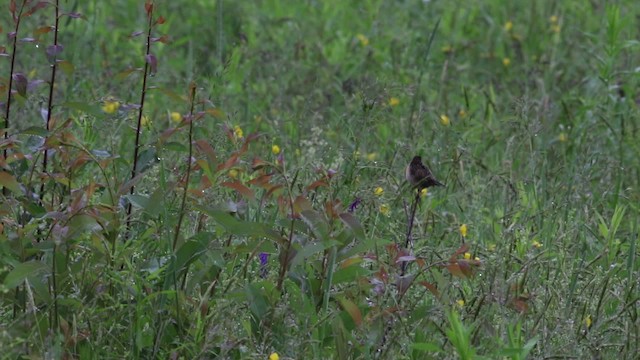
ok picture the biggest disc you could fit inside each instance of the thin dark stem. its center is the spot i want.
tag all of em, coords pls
(54, 67)
(143, 94)
(188, 175)
(12, 69)
(414, 206)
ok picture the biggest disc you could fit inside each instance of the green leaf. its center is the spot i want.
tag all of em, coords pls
(8, 181)
(430, 347)
(85, 108)
(311, 249)
(258, 303)
(316, 223)
(22, 271)
(240, 228)
(35, 130)
(352, 222)
(361, 247)
(352, 309)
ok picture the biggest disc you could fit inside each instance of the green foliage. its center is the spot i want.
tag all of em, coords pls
(255, 203)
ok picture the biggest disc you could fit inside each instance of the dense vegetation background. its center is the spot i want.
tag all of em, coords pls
(203, 179)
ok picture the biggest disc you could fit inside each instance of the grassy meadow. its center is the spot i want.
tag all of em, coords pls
(226, 179)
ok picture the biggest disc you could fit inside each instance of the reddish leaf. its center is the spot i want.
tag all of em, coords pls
(167, 134)
(301, 204)
(316, 184)
(204, 147)
(431, 287)
(148, 7)
(36, 7)
(245, 191)
(520, 304)
(352, 309)
(274, 189)
(164, 39)
(403, 283)
(42, 30)
(21, 83)
(231, 161)
(247, 140)
(8, 181)
(350, 262)
(258, 164)
(454, 269)
(463, 249)
(262, 181)
(332, 209)
(161, 20)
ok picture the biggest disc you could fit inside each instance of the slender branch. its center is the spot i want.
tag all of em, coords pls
(54, 67)
(12, 69)
(143, 94)
(188, 175)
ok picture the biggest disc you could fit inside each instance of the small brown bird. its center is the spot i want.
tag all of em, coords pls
(419, 175)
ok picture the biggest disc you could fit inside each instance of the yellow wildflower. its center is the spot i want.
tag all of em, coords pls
(233, 173)
(460, 302)
(462, 113)
(274, 356)
(588, 321)
(237, 131)
(384, 209)
(506, 61)
(378, 191)
(275, 149)
(447, 49)
(463, 230)
(553, 19)
(563, 137)
(364, 41)
(423, 192)
(176, 117)
(467, 256)
(444, 120)
(110, 106)
(508, 26)
(394, 101)
(372, 156)
(536, 244)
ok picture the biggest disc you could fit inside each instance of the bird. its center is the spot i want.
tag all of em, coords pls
(419, 176)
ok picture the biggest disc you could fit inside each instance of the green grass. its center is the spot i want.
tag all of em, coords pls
(527, 111)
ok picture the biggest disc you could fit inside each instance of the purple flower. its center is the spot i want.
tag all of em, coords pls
(354, 204)
(264, 258)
